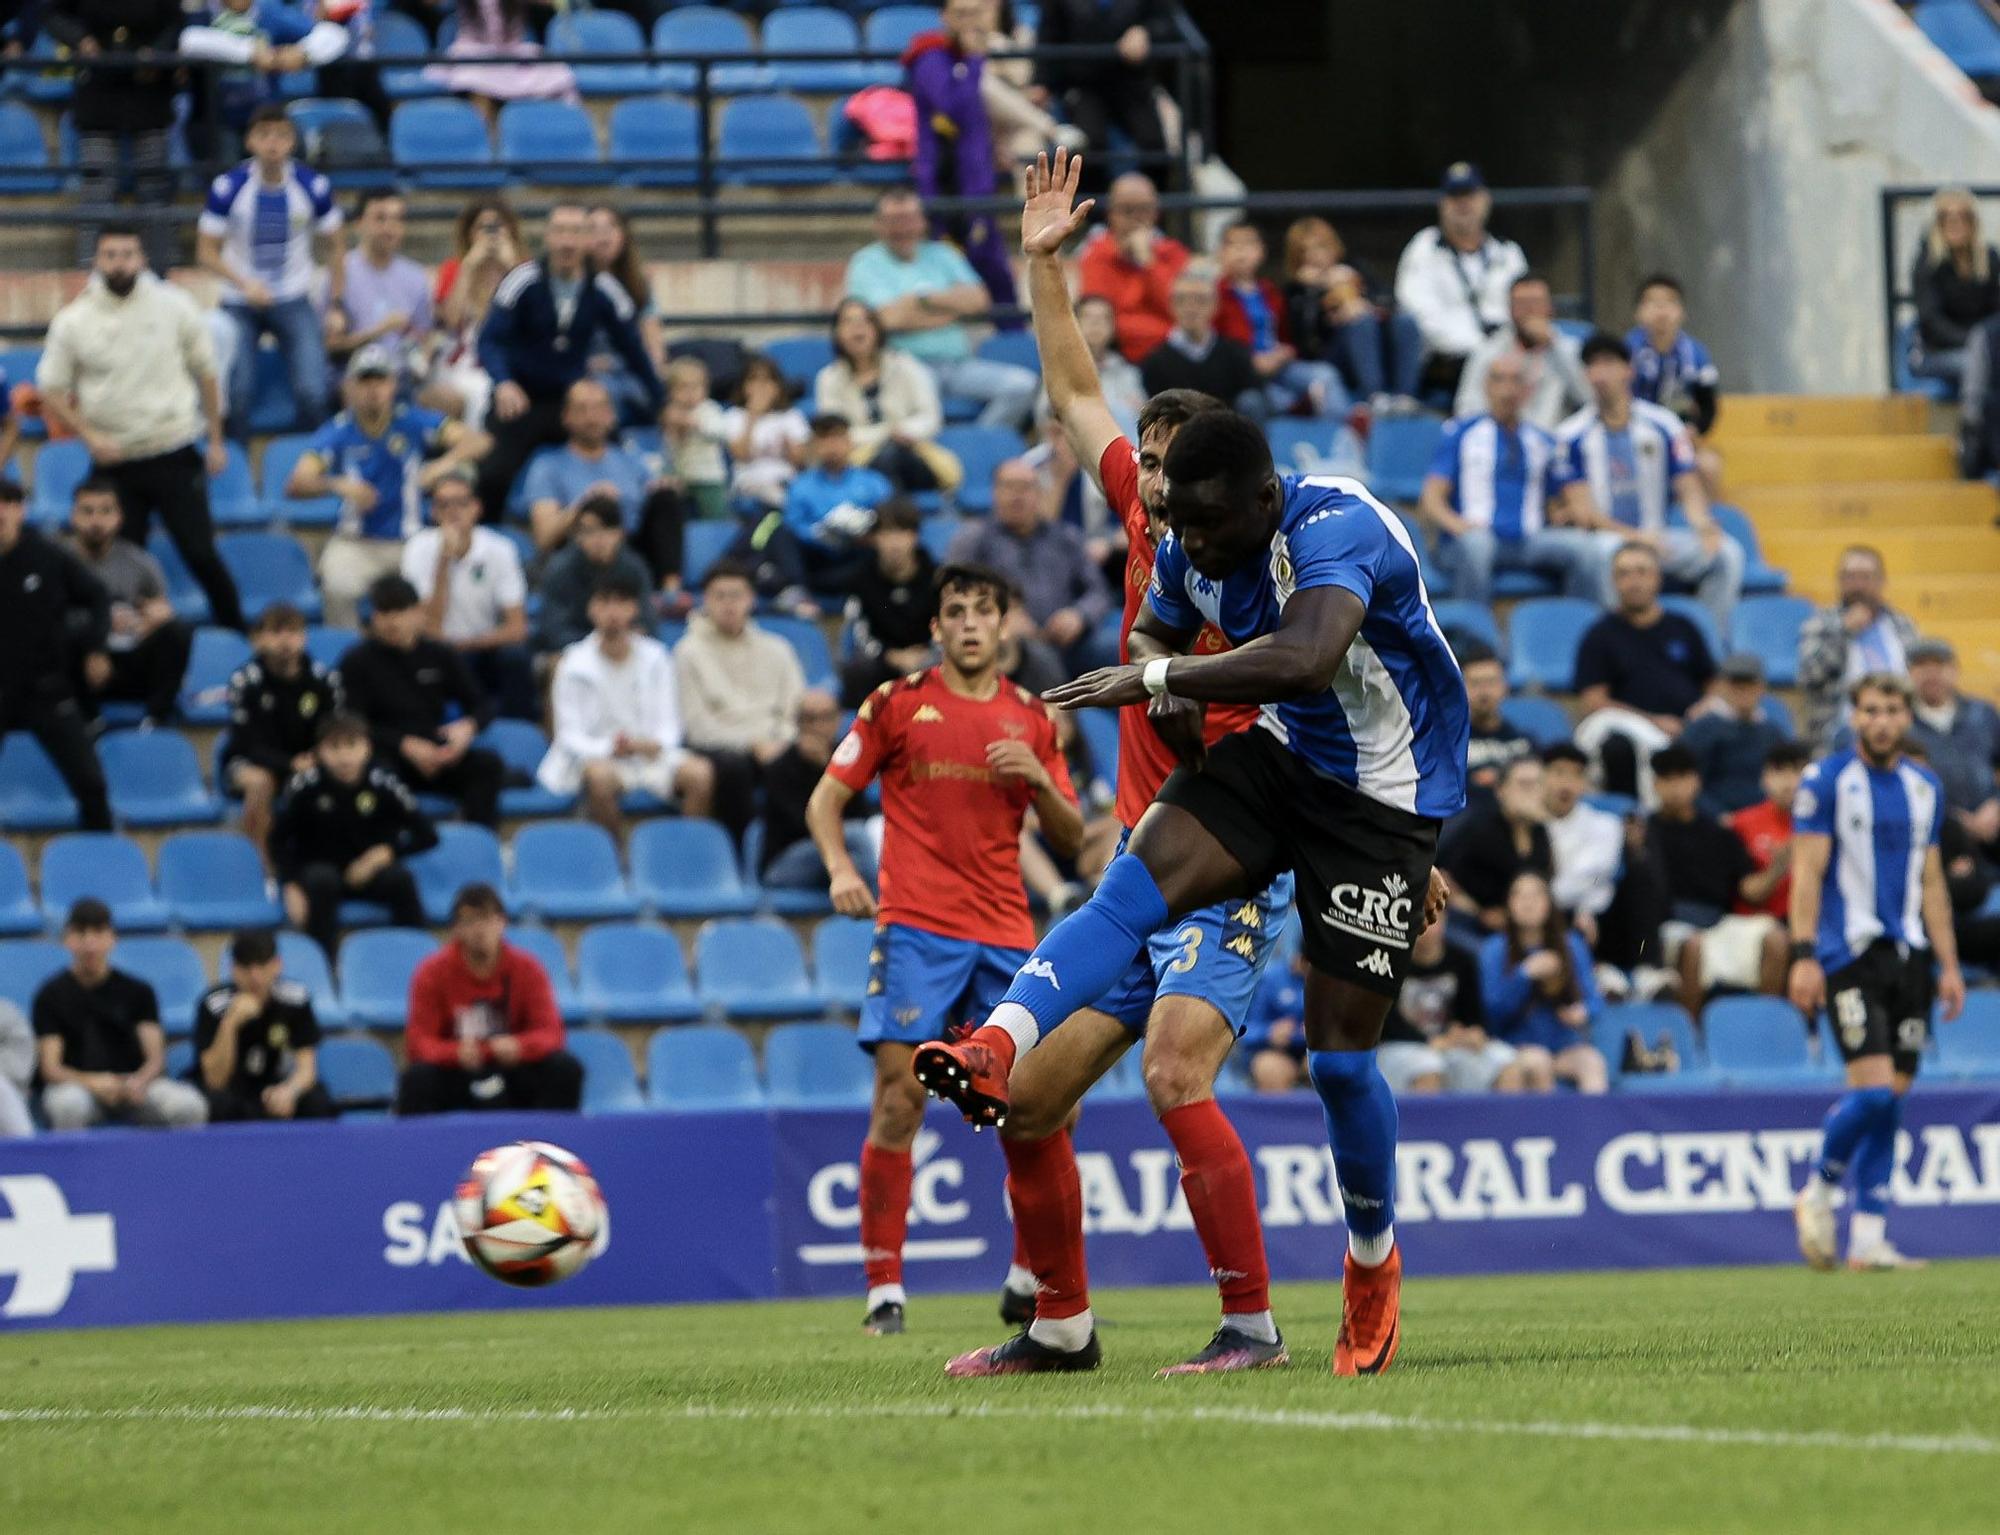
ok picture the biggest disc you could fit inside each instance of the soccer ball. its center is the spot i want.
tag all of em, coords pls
(530, 1213)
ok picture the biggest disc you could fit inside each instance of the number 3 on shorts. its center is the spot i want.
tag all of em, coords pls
(1190, 951)
(1850, 1013)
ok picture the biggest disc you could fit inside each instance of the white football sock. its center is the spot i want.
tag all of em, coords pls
(1068, 1333)
(1020, 1281)
(1254, 1324)
(1372, 1252)
(1020, 1025)
(883, 1294)
(1865, 1232)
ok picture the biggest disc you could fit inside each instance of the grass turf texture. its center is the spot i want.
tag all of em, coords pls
(1634, 1402)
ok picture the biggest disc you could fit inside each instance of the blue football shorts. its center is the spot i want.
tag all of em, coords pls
(921, 985)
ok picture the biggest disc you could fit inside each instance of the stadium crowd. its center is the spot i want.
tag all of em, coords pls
(574, 564)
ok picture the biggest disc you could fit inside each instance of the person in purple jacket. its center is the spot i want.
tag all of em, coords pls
(954, 158)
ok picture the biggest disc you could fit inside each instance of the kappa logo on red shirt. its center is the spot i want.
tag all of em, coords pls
(927, 714)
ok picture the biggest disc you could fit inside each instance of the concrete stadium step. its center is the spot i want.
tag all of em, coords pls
(1858, 510)
(1866, 459)
(1760, 416)
(1933, 553)
(1940, 602)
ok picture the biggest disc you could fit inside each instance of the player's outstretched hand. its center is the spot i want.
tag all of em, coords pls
(1179, 722)
(1437, 896)
(1048, 219)
(1109, 687)
(850, 894)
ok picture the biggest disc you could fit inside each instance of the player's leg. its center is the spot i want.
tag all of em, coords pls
(1909, 1008)
(1861, 1028)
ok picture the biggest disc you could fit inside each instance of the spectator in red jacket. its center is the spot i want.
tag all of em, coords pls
(483, 1030)
(1251, 310)
(1133, 265)
(1766, 830)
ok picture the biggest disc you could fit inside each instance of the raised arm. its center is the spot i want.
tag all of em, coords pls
(1076, 393)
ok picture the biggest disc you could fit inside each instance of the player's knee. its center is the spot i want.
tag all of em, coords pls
(1032, 1117)
(1175, 1078)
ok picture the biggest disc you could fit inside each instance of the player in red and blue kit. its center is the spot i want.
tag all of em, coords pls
(1188, 993)
(962, 755)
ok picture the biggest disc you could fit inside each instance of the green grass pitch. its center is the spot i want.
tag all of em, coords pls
(1718, 1400)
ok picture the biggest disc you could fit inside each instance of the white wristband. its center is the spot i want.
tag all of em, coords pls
(1156, 676)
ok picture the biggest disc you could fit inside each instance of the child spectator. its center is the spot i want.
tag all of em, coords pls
(1765, 830)
(256, 1040)
(278, 700)
(694, 438)
(342, 833)
(1252, 312)
(1275, 1040)
(1671, 368)
(596, 548)
(889, 613)
(766, 434)
(831, 504)
(1540, 996)
(1433, 1040)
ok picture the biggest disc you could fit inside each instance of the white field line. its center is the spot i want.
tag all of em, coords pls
(1254, 1417)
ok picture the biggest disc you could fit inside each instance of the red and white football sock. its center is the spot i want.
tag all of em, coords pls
(885, 1220)
(1222, 1198)
(1048, 1220)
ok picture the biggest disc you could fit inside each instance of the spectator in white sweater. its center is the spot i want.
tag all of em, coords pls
(617, 715)
(1454, 278)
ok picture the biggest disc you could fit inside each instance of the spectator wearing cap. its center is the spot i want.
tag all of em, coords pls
(616, 715)
(146, 647)
(1455, 276)
(386, 299)
(381, 457)
(342, 832)
(1492, 743)
(422, 704)
(1064, 597)
(474, 594)
(484, 1031)
(1132, 265)
(101, 1051)
(1491, 484)
(256, 1040)
(1625, 463)
(1858, 635)
(1731, 734)
(1640, 672)
(1551, 362)
(1961, 736)
(596, 549)
(1193, 356)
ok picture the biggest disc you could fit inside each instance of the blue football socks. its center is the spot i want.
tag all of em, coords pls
(1361, 1128)
(1084, 955)
(1875, 1159)
(1848, 1123)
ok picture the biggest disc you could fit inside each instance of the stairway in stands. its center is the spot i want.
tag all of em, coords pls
(1816, 473)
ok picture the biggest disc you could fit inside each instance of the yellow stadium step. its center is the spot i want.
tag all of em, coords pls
(1926, 552)
(1867, 459)
(1940, 603)
(1858, 511)
(1744, 416)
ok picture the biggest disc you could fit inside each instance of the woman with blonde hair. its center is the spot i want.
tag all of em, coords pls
(1337, 318)
(1956, 281)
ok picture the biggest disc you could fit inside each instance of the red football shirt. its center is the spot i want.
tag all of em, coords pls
(1144, 760)
(951, 838)
(1763, 829)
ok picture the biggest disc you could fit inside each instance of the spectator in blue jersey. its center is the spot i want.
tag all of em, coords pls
(381, 458)
(1960, 736)
(545, 321)
(1251, 310)
(1625, 463)
(1453, 278)
(1551, 362)
(263, 231)
(1671, 368)
(1540, 994)
(1488, 492)
(924, 291)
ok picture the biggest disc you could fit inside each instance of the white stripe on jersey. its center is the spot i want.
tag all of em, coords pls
(1653, 430)
(1478, 456)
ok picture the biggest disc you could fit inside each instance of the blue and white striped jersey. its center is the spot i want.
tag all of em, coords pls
(1630, 472)
(1666, 377)
(267, 231)
(1501, 477)
(1394, 724)
(1882, 822)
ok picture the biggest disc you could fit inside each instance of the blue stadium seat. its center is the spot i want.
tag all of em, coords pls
(359, 1072)
(1542, 640)
(687, 868)
(808, 642)
(155, 779)
(397, 34)
(548, 948)
(814, 29)
(1541, 720)
(705, 542)
(305, 961)
(213, 880)
(655, 128)
(1970, 1048)
(1651, 1020)
(568, 872)
(632, 972)
(18, 911)
(326, 644)
(281, 455)
(779, 900)
(1303, 447)
(578, 35)
(175, 972)
(232, 495)
(751, 967)
(268, 568)
(465, 855)
(443, 143)
(981, 449)
(1757, 576)
(708, 1066)
(25, 963)
(842, 947)
(272, 408)
(24, 155)
(216, 655)
(610, 1085)
(105, 865)
(816, 1065)
(33, 796)
(521, 745)
(59, 468)
(770, 141)
(695, 30)
(1469, 620)
(1779, 713)
(180, 1057)
(1012, 346)
(314, 114)
(552, 141)
(189, 600)
(890, 29)
(938, 531)
(1963, 32)
(375, 971)
(1700, 617)
(800, 358)
(1903, 368)
(1768, 627)
(1399, 451)
(1759, 1042)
